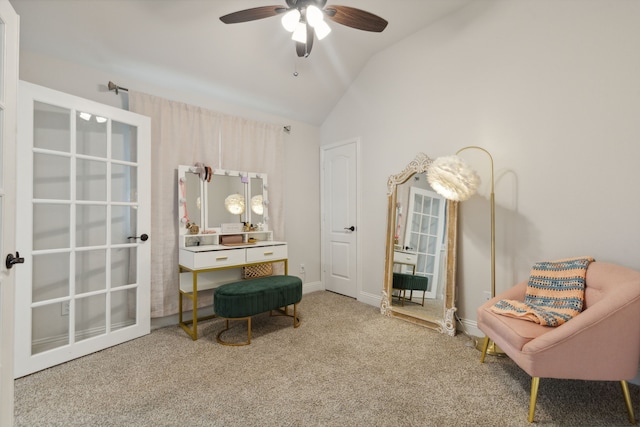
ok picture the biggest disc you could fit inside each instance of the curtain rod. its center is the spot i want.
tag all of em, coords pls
(112, 86)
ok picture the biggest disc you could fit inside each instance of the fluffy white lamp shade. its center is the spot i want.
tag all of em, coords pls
(453, 178)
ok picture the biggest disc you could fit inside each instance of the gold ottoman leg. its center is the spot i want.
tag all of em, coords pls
(221, 341)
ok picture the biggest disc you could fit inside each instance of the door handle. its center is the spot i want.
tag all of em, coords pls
(143, 237)
(352, 228)
(13, 260)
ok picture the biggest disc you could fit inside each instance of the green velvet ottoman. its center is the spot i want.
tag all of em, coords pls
(243, 299)
(410, 282)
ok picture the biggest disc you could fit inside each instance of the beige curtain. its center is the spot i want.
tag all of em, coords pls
(183, 134)
(248, 146)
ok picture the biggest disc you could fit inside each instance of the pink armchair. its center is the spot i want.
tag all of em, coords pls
(601, 343)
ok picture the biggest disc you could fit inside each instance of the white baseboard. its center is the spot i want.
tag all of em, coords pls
(312, 287)
(470, 326)
(371, 299)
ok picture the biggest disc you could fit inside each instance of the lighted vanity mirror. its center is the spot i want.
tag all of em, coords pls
(228, 197)
(419, 282)
(225, 197)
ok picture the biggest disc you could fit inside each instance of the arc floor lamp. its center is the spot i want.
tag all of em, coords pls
(454, 179)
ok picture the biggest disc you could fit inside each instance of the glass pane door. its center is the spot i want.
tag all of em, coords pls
(425, 234)
(89, 289)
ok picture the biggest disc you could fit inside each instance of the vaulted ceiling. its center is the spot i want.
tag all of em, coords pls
(182, 44)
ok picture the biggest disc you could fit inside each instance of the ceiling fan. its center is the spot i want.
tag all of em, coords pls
(304, 18)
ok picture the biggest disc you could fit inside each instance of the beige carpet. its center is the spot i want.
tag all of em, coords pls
(346, 365)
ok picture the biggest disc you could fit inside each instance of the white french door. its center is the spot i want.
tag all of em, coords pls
(339, 218)
(425, 234)
(8, 106)
(84, 203)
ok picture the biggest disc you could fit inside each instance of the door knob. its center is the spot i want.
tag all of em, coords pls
(143, 237)
(352, 228)
(13, 260)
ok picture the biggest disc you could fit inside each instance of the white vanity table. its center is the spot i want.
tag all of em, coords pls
(406, 258)
(211, 257)
(204, 262)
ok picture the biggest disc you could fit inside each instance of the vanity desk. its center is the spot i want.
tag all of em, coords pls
(210, 256)
(224, 203)
(406, 258)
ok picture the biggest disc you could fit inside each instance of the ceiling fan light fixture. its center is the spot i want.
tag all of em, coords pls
(314, 15)
(290, 20)
(300, 33)
(322, 30)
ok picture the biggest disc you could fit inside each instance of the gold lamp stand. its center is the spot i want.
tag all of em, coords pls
(459, 185)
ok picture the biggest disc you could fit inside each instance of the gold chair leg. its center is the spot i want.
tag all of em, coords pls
(535, 382)
(627, 401)
(485, 345)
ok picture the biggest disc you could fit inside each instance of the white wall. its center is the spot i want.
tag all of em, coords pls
(551, 89)
(302, 156)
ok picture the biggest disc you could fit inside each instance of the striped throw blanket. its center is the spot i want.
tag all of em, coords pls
(555, 293)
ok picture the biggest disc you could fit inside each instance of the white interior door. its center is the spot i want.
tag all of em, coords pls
(8, 107)
(339, 218)
(84, 202)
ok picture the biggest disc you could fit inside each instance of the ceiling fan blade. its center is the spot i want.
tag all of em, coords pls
(356, 18)
(252, 14)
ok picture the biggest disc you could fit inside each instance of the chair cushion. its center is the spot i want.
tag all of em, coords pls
(508, 331)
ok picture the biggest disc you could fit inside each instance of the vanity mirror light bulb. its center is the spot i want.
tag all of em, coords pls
(182, 180)
(183, 201)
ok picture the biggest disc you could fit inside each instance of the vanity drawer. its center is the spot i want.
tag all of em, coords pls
(405, 258)
(211, 259)
(266, 253)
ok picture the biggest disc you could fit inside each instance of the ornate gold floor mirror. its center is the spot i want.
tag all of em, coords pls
(420, 262)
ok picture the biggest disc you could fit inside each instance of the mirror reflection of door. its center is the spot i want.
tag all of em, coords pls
(425, 234)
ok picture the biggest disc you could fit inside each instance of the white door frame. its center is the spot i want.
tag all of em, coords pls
(9, 81)
(323, 242)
